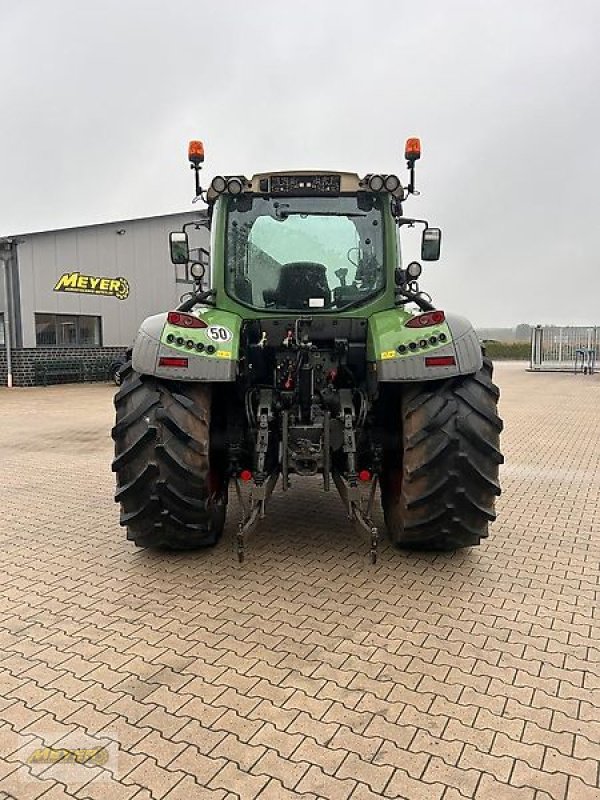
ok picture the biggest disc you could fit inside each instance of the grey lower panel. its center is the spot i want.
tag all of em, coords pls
(412, 368)
(466, 349)
(147, 351)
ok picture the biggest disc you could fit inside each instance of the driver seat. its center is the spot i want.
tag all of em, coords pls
(300, 281)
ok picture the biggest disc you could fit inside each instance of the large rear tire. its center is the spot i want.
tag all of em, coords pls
(169, 494)
(439, 495)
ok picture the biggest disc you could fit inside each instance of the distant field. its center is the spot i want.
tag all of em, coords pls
(515, 351)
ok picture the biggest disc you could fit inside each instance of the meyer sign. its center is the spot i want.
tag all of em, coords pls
(91, 284)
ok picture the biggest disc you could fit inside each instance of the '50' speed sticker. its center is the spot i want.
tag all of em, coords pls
(219, 333)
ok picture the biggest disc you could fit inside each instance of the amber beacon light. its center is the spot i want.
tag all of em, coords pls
(196, 152)
(412, 150)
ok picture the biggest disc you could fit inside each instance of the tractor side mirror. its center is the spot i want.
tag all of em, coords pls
(431, 244)
(179, 247)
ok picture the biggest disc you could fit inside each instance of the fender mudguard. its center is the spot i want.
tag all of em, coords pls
(207, 354)
(422, 354)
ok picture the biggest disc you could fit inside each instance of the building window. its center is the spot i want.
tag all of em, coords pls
(67, 330)
(2, 338)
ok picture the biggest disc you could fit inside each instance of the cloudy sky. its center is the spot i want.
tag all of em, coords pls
(99, 99)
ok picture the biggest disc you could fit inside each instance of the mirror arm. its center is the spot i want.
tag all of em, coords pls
(197, 223)
(411, 221)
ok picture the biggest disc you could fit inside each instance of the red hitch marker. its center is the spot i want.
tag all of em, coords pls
(246, 475)
(364, 475)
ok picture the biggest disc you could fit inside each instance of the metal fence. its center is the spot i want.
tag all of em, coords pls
(568, 349)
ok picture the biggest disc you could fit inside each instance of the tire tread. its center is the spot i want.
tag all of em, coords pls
(161, 463)
(450, 461)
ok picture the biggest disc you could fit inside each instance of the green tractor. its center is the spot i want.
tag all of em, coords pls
(311, 352)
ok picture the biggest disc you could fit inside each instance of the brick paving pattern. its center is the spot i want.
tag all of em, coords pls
(305, 672)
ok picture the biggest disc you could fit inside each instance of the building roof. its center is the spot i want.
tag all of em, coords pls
(200, 212)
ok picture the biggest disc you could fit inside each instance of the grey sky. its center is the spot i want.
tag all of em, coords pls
(99, 100)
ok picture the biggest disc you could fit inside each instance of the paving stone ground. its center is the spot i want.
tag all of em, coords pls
(305, 672)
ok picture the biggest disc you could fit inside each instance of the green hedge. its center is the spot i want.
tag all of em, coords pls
(518, 351)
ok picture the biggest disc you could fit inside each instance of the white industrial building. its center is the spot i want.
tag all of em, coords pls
(76, 296)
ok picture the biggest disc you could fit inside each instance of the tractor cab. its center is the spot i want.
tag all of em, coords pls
(309, 242)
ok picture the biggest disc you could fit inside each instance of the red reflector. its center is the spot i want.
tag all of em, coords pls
(440, 361)
(182, 320)
(246, 475)
(426, 320)
(364, 475)
(168, 361)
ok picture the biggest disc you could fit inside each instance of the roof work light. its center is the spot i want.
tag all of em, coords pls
(218, 184)
(234, 186)
(392, 182)
(376, 183)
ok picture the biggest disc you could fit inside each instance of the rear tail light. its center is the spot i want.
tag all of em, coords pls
(426, 320)
(185, 320)
(168, 361)
(246, 475)
(440, 361)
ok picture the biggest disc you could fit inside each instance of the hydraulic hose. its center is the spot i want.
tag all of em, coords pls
(195, 299)
(423, 304)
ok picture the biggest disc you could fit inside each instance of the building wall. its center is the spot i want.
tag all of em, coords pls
(92, 361)
(2, 309)
(2, 291)
(140, 255)
(9, 276)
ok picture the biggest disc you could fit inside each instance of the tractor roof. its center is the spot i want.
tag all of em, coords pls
(301, 183)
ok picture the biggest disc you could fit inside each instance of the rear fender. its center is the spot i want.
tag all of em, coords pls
(212, 352)
(454, 338)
